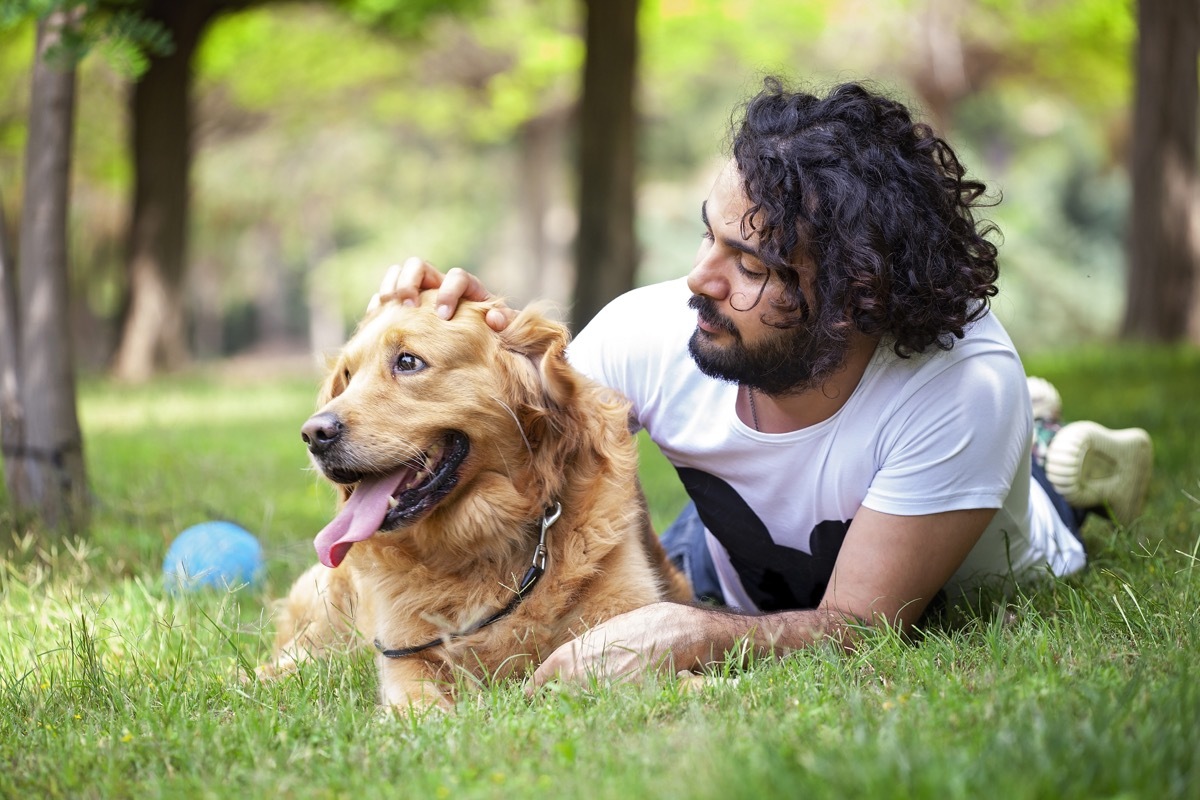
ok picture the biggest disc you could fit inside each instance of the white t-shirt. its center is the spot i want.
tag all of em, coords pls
(939, 431)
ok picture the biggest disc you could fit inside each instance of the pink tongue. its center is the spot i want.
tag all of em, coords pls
(359, 519)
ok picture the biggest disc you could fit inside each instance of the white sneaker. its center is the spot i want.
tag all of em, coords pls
(1092, 466)
(1047, 403)
(1047, 415)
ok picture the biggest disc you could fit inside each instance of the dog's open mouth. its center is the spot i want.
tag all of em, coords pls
(390, 501)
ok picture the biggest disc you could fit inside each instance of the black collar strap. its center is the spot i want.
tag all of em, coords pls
(535, 571)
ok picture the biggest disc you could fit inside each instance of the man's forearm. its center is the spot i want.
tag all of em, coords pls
(671, 636)
(707, 635)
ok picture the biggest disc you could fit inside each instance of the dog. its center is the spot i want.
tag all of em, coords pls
(489, 505)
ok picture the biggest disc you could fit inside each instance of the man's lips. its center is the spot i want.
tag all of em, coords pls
(708, 319)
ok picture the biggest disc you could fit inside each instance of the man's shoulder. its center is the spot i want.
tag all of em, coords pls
(643, 326)
(983, 337)
(663, 297)
(647, 312)
(983, 360)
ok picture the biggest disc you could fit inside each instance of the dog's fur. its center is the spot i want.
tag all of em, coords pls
(539, 434)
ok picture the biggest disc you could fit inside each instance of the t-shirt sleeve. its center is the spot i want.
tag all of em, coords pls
(587, 352)
(625, 345)
(957, 441)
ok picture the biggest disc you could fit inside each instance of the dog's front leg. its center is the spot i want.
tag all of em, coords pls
(410, 686)
(317, 616)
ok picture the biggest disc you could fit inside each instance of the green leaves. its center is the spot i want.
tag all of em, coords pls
(115, 27)
(406, 17)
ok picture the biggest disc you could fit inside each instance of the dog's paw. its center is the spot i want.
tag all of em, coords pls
(270, 671)
(696, 681)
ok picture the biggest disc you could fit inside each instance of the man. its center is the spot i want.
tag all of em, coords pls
(851, 423)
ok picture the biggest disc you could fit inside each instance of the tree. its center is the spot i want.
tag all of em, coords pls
(606, 247)
(1164, 238)
(43, 447)
(39, 427)
(153, 332)
(10, 398)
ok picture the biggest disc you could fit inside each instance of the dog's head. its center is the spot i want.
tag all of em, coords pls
(423, 418)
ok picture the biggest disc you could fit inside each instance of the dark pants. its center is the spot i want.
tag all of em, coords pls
(687, 546)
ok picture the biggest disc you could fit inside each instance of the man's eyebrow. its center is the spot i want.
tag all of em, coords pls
(736, 244)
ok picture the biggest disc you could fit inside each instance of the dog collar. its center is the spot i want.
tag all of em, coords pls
(532, 575)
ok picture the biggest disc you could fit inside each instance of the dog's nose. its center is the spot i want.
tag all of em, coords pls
(321, 431)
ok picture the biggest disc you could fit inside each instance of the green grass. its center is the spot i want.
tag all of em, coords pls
(1086, 687)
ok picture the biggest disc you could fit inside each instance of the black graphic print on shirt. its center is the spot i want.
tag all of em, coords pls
(775, 577)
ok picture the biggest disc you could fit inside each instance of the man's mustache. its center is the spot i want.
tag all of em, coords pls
(706, 309)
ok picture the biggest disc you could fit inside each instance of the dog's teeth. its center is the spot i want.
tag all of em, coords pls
(393, 502)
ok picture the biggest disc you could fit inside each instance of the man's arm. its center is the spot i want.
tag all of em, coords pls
(888, 569)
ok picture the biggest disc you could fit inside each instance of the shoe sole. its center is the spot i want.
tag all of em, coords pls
(1092, 466)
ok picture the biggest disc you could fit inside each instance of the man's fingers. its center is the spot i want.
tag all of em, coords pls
(403, 283)
(459, 285)
(552, 668)
(415, 276)
(499, 317)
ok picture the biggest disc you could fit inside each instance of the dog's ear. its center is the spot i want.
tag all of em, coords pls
(570, 422)
(334, 383)
(545, 397)
(544, 342)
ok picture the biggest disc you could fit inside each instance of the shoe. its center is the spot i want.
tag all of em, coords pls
(1047, 403)
(1047, 415)
(1094, 467)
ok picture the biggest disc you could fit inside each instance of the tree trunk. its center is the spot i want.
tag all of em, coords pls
(546, 215)
(1164, 251)
(606, 249)
(535, 155)
(10, 400)
(47, 459)
(154, 335)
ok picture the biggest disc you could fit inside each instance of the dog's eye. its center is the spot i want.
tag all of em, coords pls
(407, 362)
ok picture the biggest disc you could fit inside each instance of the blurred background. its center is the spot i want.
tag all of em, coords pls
(329, 140)
(237, 175)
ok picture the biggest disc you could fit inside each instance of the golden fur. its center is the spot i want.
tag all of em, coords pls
(540, 434)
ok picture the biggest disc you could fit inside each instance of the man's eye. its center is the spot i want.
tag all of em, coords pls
(407, 362)
(749, 273)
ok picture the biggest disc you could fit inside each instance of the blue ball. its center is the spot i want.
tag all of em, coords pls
(218, 554)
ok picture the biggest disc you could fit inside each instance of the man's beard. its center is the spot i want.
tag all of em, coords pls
(789, 361)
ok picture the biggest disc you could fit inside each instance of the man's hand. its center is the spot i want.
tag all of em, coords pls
(663, 637)
(403, 283)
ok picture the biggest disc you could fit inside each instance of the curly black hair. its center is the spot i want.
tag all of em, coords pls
(877, 203)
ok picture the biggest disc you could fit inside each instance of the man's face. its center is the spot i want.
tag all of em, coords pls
(733, 291)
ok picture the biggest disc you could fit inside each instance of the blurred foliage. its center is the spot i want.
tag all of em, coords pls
(1080, 48)
(336, 138)
(405, 17)
(115, 27)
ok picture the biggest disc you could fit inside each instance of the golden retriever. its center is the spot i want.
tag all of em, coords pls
(468, 461)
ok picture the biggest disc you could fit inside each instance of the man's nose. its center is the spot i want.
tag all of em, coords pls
(707, 278)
